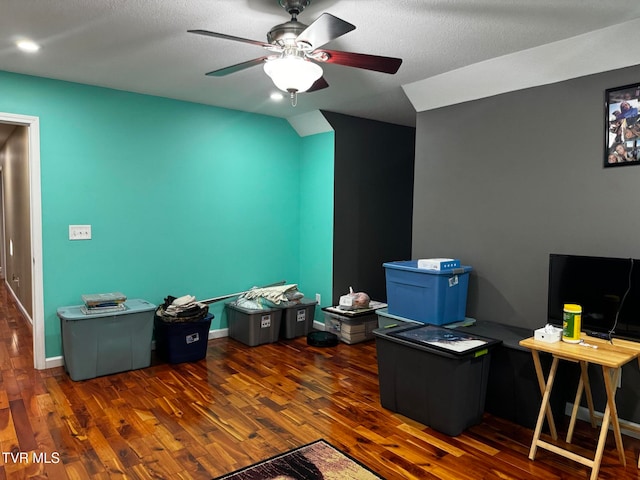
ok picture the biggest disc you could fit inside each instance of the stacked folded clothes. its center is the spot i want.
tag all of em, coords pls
(259, 298)
(182, 309)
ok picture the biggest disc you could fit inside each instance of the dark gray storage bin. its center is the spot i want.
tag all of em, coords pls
(434, 375)
(106, 343)
(387, 320)
(253, 327)
(297, 320)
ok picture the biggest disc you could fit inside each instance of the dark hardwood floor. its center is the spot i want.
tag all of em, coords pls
(238, 406)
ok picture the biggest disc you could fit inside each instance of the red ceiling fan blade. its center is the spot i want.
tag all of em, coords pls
(237, 68)
(318, 85)
(235, 39)
(358, 60)
(324, 29)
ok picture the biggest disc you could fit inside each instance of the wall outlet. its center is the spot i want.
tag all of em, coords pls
(79, 232)
(318, 298)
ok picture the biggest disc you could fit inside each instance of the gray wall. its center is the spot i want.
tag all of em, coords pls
(502, 182)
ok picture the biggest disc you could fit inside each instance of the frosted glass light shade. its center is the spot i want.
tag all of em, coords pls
(293, 73)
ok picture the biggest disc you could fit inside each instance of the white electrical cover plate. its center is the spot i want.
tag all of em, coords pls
(79, 232)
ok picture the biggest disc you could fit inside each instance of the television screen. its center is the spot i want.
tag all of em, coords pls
(608, 289)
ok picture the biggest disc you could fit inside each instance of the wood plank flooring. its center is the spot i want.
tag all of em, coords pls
(238, 406)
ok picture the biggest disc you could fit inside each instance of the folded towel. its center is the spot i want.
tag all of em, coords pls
(277, 294)
(184, 300)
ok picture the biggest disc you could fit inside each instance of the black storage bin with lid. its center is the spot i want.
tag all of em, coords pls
(434, 375)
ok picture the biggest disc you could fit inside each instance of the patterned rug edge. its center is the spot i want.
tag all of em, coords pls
(251, 472)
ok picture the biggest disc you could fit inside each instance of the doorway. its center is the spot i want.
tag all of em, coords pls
(37, 303)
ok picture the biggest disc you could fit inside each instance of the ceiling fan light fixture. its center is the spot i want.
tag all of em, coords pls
(27, 46)
(292, 73)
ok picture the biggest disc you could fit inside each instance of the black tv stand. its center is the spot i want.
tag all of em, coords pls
(513, 392)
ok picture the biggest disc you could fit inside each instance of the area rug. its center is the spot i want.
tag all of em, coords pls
(316, 461)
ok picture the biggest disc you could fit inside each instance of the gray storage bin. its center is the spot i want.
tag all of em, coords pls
(105, 343)
(253, 327)
(297, 320)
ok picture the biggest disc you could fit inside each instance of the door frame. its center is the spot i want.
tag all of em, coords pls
(33, 127)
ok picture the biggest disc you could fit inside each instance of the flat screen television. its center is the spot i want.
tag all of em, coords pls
(608, 289)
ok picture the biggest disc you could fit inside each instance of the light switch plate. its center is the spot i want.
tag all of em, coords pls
(79, 232)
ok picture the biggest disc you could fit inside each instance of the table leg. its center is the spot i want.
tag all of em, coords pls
(584, 373)
(604, 429)
(541, 384)
(583, 386)
(544, 407)
(610, 382)
(574, 411)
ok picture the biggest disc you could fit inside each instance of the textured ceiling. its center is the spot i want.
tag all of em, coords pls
(143, 45)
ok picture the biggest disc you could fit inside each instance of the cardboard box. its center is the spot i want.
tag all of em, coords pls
(351, 329)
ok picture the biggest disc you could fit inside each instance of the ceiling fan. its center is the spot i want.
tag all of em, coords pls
(296, 52)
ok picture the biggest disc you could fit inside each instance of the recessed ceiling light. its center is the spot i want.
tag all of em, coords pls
(277, 96)
(28, 46)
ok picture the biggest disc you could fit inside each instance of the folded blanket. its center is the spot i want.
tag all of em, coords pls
(278, 294)
(184, 308)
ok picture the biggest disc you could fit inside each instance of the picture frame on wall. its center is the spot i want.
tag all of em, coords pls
(622, 121)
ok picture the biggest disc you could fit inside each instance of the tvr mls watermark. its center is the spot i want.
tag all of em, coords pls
(31, 457)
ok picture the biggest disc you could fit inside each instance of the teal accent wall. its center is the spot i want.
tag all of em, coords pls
(183, 198)
(316, 218)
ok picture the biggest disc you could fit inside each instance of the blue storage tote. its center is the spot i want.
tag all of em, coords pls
(429, 296)
(178, 342)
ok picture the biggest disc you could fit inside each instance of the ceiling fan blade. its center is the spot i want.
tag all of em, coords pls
(318, 85)
(358, 60)
(237, 68)
(231, 37)
(323, 30)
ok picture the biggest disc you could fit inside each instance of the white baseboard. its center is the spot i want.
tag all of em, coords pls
(219, 333)
(53, 362)
(19, 305)
(318, 325)
(627, 427)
